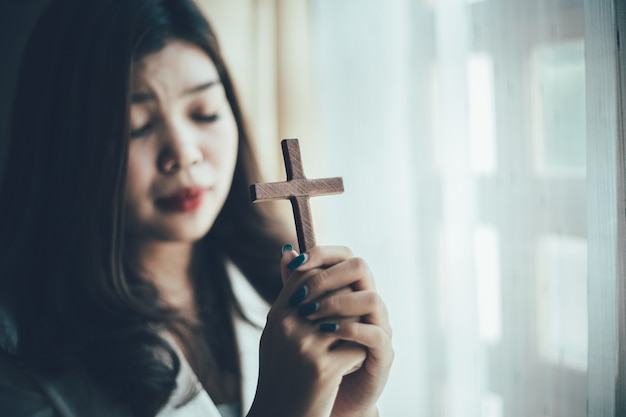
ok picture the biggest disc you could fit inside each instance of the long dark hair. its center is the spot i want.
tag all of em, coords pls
(65, 276)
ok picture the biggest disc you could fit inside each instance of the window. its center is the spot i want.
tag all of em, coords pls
(483, 160)
(460, 130)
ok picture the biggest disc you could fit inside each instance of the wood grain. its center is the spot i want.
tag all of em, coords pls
(297, 189)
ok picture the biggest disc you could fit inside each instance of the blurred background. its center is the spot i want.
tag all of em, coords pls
(460, 128)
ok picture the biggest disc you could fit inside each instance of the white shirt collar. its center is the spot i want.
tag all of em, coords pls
(248, 337)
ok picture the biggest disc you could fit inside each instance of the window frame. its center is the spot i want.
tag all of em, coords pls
(605, 27)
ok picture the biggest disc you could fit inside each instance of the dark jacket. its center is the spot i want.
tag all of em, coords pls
(25, 394)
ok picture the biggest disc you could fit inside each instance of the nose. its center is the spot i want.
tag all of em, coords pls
(179, 151)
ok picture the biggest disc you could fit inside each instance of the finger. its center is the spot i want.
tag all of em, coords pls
(323, 257)
(351, 355)
(313, 282)
(290, 333)
(290, 261)
(345, 304)
(301, 267)
(305, 335)
(295, 290)
(375, 338)
(287, 255)
(352, 272)
(312, 340)
(368, 305)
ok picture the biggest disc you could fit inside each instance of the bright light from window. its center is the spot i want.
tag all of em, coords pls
(559, 111)
(435, 106)
(562, 300)
(487, 261)
(491, 405)
(481, 113)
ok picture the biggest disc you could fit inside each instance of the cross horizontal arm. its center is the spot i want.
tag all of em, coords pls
(296, 188)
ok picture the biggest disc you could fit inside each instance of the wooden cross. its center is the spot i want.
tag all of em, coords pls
(298, 188)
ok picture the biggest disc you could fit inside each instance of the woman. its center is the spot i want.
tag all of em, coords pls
(125, 219)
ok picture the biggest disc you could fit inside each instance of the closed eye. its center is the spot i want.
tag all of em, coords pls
(205, 118)
(142, 131)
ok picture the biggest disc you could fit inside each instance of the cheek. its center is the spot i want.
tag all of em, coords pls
(137, 175)
(233, 147)
(225, 150)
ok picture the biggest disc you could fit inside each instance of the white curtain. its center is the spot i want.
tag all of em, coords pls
(459, 128)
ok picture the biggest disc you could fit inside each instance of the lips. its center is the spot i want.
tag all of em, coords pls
(184, 200)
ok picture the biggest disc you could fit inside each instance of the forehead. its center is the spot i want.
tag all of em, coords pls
(178, 62)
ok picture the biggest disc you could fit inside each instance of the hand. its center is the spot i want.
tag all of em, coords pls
(361, 317)
(300, 370)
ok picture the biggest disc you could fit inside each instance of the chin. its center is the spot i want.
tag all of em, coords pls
(187, 231)
(181, 229)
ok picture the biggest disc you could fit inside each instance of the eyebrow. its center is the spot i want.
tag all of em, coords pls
(141, 97)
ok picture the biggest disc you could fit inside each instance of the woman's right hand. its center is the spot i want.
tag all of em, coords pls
(301, 367)
(299, 375)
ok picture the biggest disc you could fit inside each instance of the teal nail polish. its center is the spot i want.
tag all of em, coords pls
(297, 261)
(329, 327)
(286, 247)
(299, 295)
(308, 309)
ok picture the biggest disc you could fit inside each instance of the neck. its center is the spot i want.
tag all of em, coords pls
(167, 266)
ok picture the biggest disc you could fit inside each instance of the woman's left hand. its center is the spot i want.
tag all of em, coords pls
(362, 318)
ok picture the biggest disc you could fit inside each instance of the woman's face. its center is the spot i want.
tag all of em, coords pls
(183, 146)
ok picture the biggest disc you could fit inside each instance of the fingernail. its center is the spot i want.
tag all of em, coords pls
(286, 247)
(297, 261)
(299, 295)
(329, 327)
(308, 309)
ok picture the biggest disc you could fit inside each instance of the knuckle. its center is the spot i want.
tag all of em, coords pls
(374, 300)
(330, 305)
(287, 326)
(381, 337)
(348, 251)
(319, 281)
(351, 331)
(302, 346)
(359, 265)
(322, 370)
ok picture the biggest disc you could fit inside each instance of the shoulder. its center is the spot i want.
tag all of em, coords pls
(26, 393)
(19, 393)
